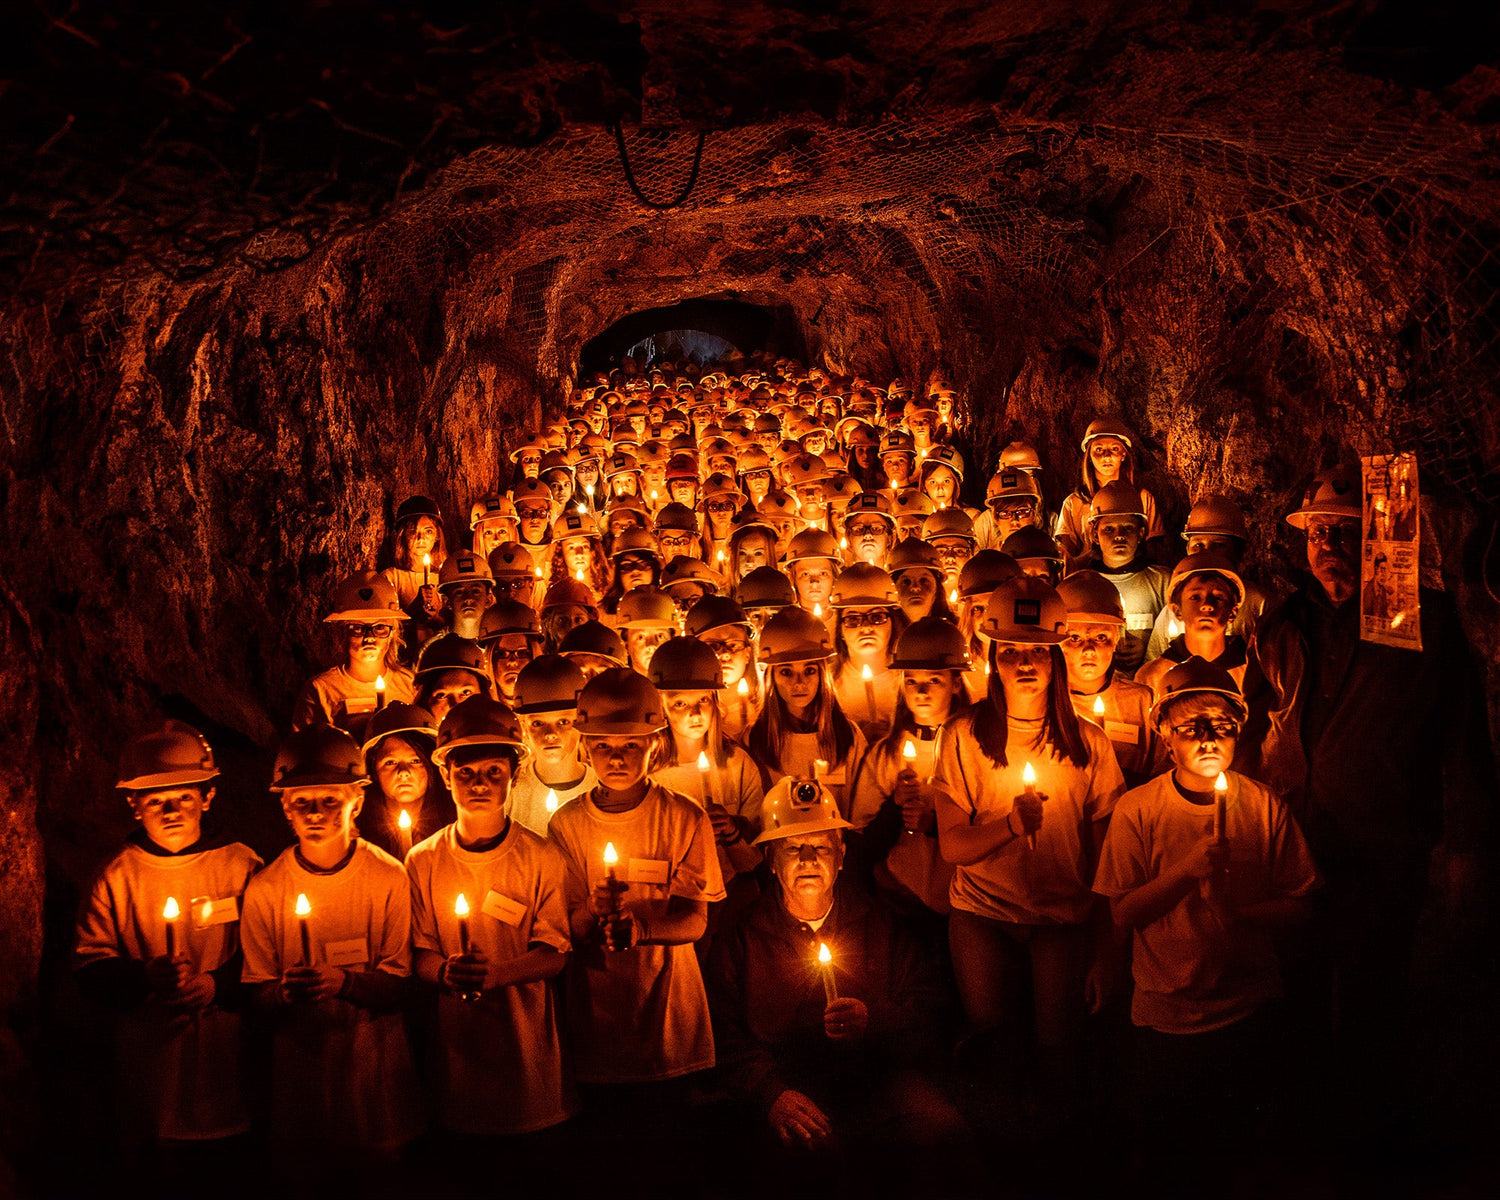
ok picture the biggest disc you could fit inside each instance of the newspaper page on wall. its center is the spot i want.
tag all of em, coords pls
(1390, 563)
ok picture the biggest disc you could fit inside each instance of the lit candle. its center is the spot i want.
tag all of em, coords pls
(843, 542)
(379, 692)
(1173, 628)
(742, 690)
(893, 483)
(461, 911)
(304, 910)
(953, 596)
(578, 574)
(909, 751)
(869, 677)
(1221, 808)
(705, 782)
(610, 861)
(817, 610)
(825, 969)
(589, 490)
(170, 912)
(403, 823)
(538, 571)
(426, 569)
(551, 801)
(721, 558)
(1098, 708)
(1028, 781)
(582, 508)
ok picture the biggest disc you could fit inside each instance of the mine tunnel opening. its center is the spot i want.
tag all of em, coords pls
(702, 329)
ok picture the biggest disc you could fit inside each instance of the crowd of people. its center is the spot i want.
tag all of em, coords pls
(730, 781)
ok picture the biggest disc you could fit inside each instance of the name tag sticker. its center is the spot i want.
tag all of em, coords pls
(359, 705)
(215, 910)
(835, 778)
(503, 909)
(1123, 731)
(647, 870)
(353, 953)
(1140, 621)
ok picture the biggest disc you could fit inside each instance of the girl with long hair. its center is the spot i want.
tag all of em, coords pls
(868, 622)
(1109, 456)
(578, 553)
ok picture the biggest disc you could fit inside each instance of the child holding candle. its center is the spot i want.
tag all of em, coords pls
(1109, 456)
(1205, 594)
(341, 1071)
(498, 1064)
(398, 748)
(1202, 900)
(553, 772)
(637, 1013)
(725, 628)
(698, 763)
(1025, 928)
(174, 982)
(868, 622)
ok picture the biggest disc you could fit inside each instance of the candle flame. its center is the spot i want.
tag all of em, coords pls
(953, 596)
(909, 750)
(380, 683)
(583, 508)
(589, 488)
(1221, 784)
(461, 906)
(703, 760)
(610, 857)
(403, 821)
(986, 668)
(843, 542)
(721, 556)
(743, 687)
(303, 907)
(818, 612)
(865, 673)
(1028, 774)
(578, 574)
(170, 910)
(426, 561)
(1173, 628)
(538, 572)
(824, 957)
(551, 800)
(654, 493)
(1098, 706)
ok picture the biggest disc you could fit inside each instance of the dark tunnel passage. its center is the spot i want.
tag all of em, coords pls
(745, 328)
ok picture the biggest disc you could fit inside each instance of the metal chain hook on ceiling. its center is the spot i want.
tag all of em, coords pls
(687, 190)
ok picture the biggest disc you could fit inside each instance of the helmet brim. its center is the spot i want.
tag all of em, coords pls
(296, 779)
(440, 755)
(819, 825)
(1299, 519)
(365, 614)
(166, 779)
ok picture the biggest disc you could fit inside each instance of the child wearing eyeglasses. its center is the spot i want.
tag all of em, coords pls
(1202, 872)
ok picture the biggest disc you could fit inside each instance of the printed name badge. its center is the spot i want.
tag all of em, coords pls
(353, 953)
(215, 910)
(1139, 621)
(1123, 731)
(647, 870)
(359, 705)
(503, 909)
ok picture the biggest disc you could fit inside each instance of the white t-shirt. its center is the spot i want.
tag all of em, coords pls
(1126, 721)
(335, 697)
(527, 801)
(735, 786)
(187, 1073)
(498, 1061)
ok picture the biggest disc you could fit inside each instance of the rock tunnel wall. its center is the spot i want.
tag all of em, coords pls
(196, 449)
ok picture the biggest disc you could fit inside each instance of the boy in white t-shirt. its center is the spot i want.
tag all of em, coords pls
(1202, 864)
(498, 1059)
(327, 935)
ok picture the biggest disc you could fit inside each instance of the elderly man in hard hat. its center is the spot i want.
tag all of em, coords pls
(823, 1009)
(1383, 755)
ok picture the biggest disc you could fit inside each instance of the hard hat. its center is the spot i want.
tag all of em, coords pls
(718, 486)
(511, 560)
(1197, 676)
(619, 702)
(633, 505)
(1206, 562)
(752, 458)
(841, 489)
(1032, 543)
(1089, 597)
(1021, 456)
(932, 644)
(812, 543)
(479, 721)
(949, 522)
(1026, 610)
(943, 456)
(918, 408)
(1010, 482)
(491, 508)
(531, 442)
(594, 637)
(858, 432)
(682, 466)
(170, 754)
(555, 460)
(912, 503)
(418, 506)
(574, 524)
(776, 507)
(593, 447)
(508, 616)
(318, 756)
(568, 590)
(449, 652)
(685, 569)
(530, 489)
(653, 453)
(636, 541)
(911, 554)
(684, 664)
(715, 612)
(985, 571)
(897, 441)
(794, 635)
(1117, 499)
(715, 447)
(1331, 493)
(805, 470)
(365, 596)
(548, 683)
(768, 423)
(747, 519)
(863, 586)
(464, 567)
(620, 464)
(796, 806)
(676, 516)
(398, 718)
(646, 608)
(871, 503)
(765, 587)
(1216, 515)
(1108, 427)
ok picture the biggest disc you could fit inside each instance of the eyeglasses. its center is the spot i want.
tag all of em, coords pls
(1205, 729)
(355, 629)
(1096, 641)
(306, 805)
(1341, 534)
(727, 649)
(865, 529)
(631, 563)
(1017, 512)
(721, 507)
(666, 540)
(874, 619)
(530, 513)
(949, 552)
(501, 654)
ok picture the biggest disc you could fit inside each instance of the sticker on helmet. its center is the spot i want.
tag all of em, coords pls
(1028, 612)
(367, 593)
